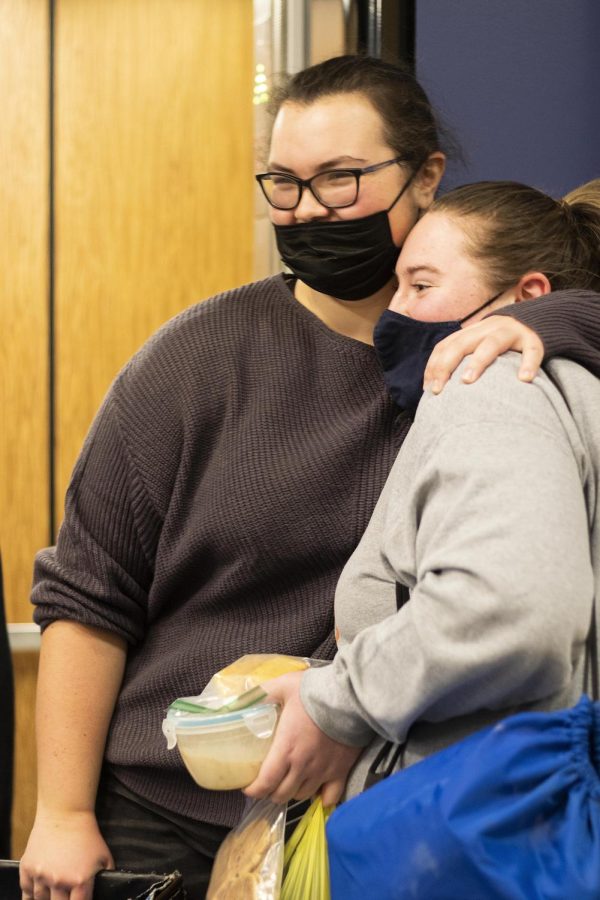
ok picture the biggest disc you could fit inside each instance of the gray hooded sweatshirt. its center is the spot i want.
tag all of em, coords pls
(489, 518)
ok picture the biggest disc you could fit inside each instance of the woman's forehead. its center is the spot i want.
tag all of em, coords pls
(437, 240)
(331, 128)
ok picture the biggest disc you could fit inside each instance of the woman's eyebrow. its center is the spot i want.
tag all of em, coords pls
(426, 267)
(339, 161)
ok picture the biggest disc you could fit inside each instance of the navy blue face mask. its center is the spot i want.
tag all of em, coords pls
(404, 345)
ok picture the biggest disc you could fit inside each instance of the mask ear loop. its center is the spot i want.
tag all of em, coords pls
(405, 187)
(479, 308)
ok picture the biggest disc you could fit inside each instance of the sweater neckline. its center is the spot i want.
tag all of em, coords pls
(341, 341)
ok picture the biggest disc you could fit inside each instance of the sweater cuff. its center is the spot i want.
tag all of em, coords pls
(546, 316)
(327, 697)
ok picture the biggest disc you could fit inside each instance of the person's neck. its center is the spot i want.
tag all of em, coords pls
(352, 318)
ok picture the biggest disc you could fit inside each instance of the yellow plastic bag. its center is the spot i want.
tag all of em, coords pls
(305, 863)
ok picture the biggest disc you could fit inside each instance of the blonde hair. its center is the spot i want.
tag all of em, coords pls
(585, 193)
(514, 229)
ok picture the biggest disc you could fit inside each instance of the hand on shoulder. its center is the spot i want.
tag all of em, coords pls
(484, 342)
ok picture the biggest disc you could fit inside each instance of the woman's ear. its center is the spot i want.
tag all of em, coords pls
(532, 285)
(428, 179)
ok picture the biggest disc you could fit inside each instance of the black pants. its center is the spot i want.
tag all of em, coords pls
(144, 838)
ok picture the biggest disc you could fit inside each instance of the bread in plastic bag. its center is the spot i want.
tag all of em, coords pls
(249, 863)
(248, 672)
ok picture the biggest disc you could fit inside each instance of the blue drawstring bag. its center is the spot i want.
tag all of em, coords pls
(511, 812)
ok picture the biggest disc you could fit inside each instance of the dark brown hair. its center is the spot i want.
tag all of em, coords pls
(410, 125)
(515, 229)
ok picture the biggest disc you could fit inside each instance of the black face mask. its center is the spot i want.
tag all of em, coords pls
(404, 345)
(350, 260)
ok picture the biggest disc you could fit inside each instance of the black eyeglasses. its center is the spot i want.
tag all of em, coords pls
(333, 189)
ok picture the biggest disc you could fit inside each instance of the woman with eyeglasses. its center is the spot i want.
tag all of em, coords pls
(228, 477)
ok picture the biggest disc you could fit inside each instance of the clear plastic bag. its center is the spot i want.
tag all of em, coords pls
(238, 685)
(249, 863)
(305, 863)
(249, 672)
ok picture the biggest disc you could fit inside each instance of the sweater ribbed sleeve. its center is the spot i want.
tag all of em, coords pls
(101, 570)
(568, 322)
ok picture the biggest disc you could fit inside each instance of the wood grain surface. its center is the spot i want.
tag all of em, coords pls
(24, 437)
(153, 180)
(25, 666)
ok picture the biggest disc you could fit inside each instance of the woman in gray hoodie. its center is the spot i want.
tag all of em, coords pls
(470, 594)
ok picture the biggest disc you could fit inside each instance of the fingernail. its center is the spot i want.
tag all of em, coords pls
(525, 374)
(435, 387)
(468, 375)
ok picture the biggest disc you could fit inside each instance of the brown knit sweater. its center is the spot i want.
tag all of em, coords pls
(226, 480)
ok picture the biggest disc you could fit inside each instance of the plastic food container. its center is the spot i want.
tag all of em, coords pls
(223, 751)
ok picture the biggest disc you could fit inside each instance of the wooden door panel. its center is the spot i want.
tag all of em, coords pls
(153, 182)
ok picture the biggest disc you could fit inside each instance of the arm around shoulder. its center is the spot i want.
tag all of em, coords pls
(568, 323)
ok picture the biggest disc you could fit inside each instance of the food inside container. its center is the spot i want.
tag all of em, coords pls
(222, 750)
(224, 733)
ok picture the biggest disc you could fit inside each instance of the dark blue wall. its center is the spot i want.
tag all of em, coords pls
(519, 83)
